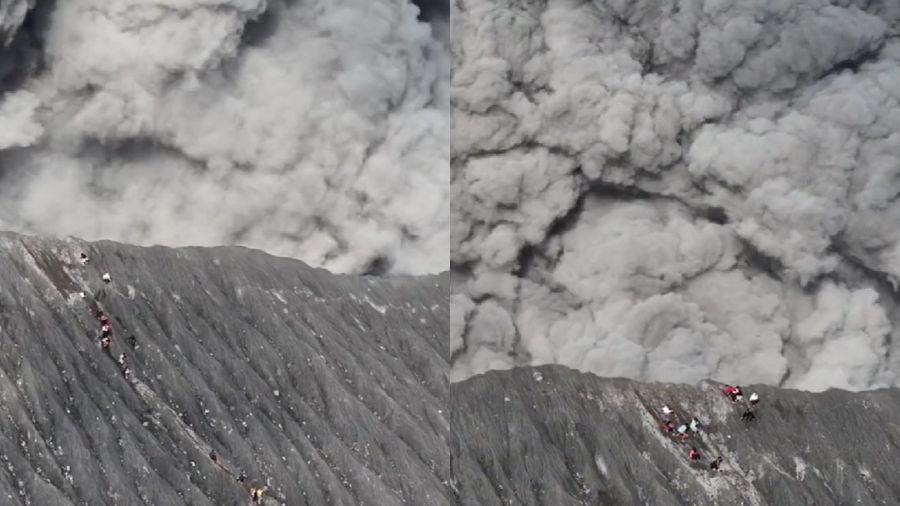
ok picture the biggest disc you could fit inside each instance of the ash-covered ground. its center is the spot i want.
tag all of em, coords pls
(554, 436)
(327, 389)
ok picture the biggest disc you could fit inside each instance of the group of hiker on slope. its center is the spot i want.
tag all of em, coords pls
(256, 493)
(682, 432)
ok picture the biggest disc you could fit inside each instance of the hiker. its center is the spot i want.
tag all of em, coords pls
(106, 278)
(242, 477)
(104, 320)
(714, 465)
(104, 343)
(132, 341)
(667, 411)
(83, 295)
(213, 456)
(682, 432)
(84, 259)
(693, 454)
(754, 398)
(748, 416)
(695, 424)
(732, 392)
(668, 426)
(127, 373)
(256, 494)
(121, 359)
(106, 330)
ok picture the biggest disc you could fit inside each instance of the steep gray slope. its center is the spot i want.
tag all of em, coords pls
(553, 436)
(330, 389)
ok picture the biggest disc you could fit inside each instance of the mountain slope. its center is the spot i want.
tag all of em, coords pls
(328, 388)
(554, 436)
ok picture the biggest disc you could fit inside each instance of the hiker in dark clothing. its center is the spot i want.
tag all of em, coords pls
(714, 465)
(748, 416)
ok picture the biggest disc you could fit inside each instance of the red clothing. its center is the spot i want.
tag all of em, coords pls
(694, 454)
(728, 390)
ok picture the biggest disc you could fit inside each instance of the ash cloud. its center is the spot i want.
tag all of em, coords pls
(279, 125)
(680, 190)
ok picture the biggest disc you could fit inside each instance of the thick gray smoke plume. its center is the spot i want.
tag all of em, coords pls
(317, 129)
(675, 190)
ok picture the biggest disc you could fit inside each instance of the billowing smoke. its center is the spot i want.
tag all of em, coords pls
(315, 129)
(677, 190)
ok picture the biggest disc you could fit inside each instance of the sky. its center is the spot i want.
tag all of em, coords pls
(279, 125)
(677, 190)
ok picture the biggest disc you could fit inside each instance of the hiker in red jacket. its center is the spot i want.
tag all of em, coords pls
(732, 392)
(693, 454)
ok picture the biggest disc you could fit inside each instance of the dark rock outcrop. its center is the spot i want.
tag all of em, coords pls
(330, 389)
(554, 436)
